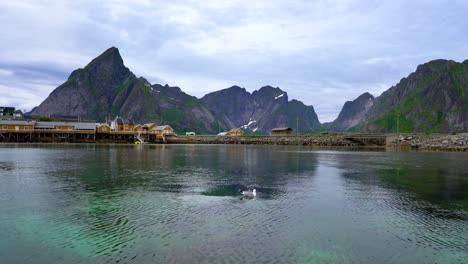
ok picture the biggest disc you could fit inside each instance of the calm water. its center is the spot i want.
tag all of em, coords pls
(181, 204)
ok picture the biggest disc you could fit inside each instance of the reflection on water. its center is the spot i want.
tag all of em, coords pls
(182, 204)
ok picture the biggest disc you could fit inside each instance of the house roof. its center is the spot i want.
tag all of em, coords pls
(161, 127)
(77, 125)
(123, 121)
(281, 128)
(235, 129)
(17, 122)
(85, 126)
(7, 109)
(149, 124)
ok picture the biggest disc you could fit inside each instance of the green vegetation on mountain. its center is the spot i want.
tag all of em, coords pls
(434, 99)
(105, 88)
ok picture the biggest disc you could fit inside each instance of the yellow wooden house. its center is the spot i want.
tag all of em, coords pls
(122, 125)
(103, 128)
(164, 130)
(138, 128)
(148, 127)
(16, 126)
(235, 132)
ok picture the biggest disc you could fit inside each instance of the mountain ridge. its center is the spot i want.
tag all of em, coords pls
(261, 110)
(434, 98)
(105, 87)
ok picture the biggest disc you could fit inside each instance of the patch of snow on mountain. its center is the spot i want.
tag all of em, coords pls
(279, 96)
(250, 122)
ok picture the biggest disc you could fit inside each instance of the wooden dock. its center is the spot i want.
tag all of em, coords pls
(45, 135)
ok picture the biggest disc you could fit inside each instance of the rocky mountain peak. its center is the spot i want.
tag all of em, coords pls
(365, 97)
(434, 65)
(261, 110)
(270, 90)
(236, 88)
(233, 90)
(431, 99)
(353, 112)
(146, 82)
(109, 64)
(267, 93)
(105, 87)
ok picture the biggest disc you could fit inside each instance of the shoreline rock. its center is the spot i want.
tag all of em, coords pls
(456, 142)
(335, 141)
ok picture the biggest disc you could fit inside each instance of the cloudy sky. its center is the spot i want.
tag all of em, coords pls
(322, 52)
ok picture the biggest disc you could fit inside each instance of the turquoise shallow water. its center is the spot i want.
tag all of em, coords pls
(181, 204)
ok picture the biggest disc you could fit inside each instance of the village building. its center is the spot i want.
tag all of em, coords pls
(235, 132)
(18, 114)
(138, 128)
(103, 128)
(282, 131)
(6, 111)
(164, 130)
(148, 127)
(85, 126)
(65, 126)
(55, 126)
(16, 126)
(122, 125)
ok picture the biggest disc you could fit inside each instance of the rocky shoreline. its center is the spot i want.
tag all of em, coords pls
(415, 142)
(322, 141)
(456, 142)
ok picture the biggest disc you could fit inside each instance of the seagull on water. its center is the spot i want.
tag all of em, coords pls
(250, 193)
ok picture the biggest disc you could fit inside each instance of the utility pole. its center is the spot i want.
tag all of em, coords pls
(297, 126)
(398, 121)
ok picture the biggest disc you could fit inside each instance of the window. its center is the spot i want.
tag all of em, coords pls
(5, 127)
(59, 127)
(70, 128)
(104, 129)
(26, 128)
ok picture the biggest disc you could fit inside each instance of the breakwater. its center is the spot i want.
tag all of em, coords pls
(423, 142)
(434, 142)
(324, 141)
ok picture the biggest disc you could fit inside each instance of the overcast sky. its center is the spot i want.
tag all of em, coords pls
(321, 52)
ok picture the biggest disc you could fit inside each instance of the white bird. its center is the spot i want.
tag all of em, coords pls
(252, 193)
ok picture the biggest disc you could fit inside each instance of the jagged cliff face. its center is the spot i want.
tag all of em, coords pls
(95, 91)
(105, 88)
(432, 99)
(353, 113)
(262, 110)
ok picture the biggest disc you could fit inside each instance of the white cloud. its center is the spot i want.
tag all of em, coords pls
(321, 52)
(4, 72)
(23, 99)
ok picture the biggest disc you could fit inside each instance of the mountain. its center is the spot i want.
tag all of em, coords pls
(353, 113)
(432, 99)
(261, 110)
(106, 88)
